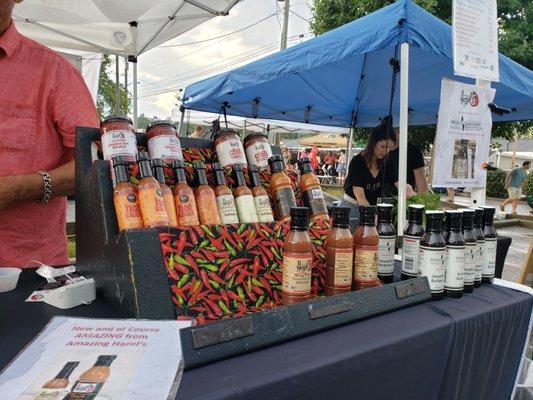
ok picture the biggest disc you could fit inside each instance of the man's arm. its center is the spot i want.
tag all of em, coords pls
(507, 178)
(420, 178)
(17, 188)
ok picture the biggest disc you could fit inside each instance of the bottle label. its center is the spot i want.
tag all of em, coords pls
(84, 391)
(343, 268)
(128, 211)
(264, 209)
(489, 263)
(258, 153)
(231, 152)
(153, 208)
(171, 209)
(208, 209)
(284, 201)
(480, 259)
(470, 263)
(314, 199)
(227, 209)
(186, 208)
(165, 147)
(50, 394)
(246, 209)
(455, 261)
(431, 264)
(386, 255)
(410, 255)
(119, 143)
(365, 263)
(296, 278)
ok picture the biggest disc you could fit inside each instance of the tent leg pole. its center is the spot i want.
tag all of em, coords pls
(349, 147)
(180, 126)
(135, 96)
(126, 65)
(117, 86)
(478, 195)
(404, 105)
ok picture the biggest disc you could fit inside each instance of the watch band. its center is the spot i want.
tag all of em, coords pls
(47, 187)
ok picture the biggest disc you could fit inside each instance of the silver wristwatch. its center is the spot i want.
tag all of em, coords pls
(47, 187)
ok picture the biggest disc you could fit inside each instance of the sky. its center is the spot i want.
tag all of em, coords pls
(163, 70)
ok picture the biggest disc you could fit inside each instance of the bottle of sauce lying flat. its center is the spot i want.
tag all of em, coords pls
(205, 198)
(91, 381)
(244, 199)
(312, 194)
(281, 188)
(411, 241)
(470, 250)
(489, 262)
(261, 199)
(387, 243)
(339, 253)
(168, 197)
(225, 201)
(151, 200)
(365, 245)
(53, 389)
(297, 257)
(455, 255)
(184, 198)
(480, 237)
(432, 257)
(125, 198)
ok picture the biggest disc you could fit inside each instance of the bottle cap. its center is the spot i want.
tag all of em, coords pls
(276, 163)
(199, 165)
(143, 156)
(468, 218)
(385, 212)
(304, 165)
(145, 165)
(434, 220)
(478, 216)
(454, 220)
(67, 370)
(488, 215)
(104, 360)
(367, 215)
(177, 164)
(157, 166)
(299, 218)
(119, 160)
(179, 172)
(341, 216)
(254, 176)
(239, 175)
(416, 213)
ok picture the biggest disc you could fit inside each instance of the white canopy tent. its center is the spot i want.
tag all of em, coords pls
(124, 28)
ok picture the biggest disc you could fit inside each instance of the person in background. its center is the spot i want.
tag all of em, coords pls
(198, 132)
(366, 173)
(314, 158)
(286, 154)
(341, 165)
(329, 164)
(304, 154)
(514, 181)
(42, 100)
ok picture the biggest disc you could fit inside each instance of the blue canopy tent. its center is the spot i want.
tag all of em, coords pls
(343, 78)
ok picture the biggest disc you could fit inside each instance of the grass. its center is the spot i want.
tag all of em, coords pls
(71, 246)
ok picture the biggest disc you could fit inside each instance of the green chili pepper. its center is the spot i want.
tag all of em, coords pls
(275, 252)
(196, 286)
(180, 300)
(171, 263)
(241, 229)
(317, 242)
(183, 280)
(240, 292)
(204, 243)
(260, 300)
(229, 248)
(181, 260)
(211, 247)
(257, 283)
(230, 283)
(223, 307)
(235, 304)
(207, 231)
(215, 284)
(210, 267)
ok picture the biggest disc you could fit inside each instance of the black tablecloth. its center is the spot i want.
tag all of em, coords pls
(453, 349)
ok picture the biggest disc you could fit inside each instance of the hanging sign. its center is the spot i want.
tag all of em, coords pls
(475, 39)
(463, 135)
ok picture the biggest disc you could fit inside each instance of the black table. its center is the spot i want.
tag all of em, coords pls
(453, 349)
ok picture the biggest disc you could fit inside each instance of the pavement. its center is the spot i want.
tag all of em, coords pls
(522, 209)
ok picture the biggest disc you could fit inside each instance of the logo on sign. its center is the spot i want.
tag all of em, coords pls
(472, 99)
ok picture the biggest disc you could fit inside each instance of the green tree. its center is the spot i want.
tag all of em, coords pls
(515, 19)
(107, 91)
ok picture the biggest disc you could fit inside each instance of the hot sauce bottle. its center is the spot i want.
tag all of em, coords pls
(261, 199)
(244, 198)
(411, 241)
(168, 197)
(387, 243)
(455, 255)
(365, 245)
(53, 389)
(281, 188)
(297, 256)
(151, 200)
(312, 194)
(91, 381)
(470, 251)
(225, 201)
(480, 257)
(339, 253)
(432, 254)
(125, 198)
(489, 263)
(184, 199)
(205, 198)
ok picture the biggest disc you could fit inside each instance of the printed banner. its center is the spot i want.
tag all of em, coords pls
(463, 135)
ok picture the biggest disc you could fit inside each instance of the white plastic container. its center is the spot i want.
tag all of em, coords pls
(9, 278)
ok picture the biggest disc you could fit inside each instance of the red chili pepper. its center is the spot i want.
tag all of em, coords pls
(193, 263)
(195, 295)
(239, 279)
(239, 261)
(201, 320)
(181, 268)
(194, 236)
(193, 285)
(215, 277)
(251, 294)
(186, 286)
(266, 285)
(197, 308)
(173, 274)
(198, 230)
(216, 309)
(181, 243)
(267, 252)
(217, 243)
(220, 254)
(225, 297)
(209, 255)
(257, 290)
(277, 275)
(234, 296)
(268, 276)
(224, 233)
(166, 248)
(178, 291)
(255, 268)
(205, 280)
(197, 254)
(223, 266)
(231, 272)
(276, 297)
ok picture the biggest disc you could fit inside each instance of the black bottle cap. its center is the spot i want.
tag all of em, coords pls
(454, 220)
(121, 169)
(157, 167)
(254, 176)
(416, 213)
(179, 172)
(104, 361)
(304, 165)
(299, 218)
(239, 175)
(367, 215)
(385, 212)
(145, 164)
(468, 218)
(434, 221)
(276, 163)
(478, 217)
(200, 172)
(220, 178)
(341, 217)
(488, 215)
(67, 370)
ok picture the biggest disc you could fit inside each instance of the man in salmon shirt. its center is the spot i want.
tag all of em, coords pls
(42, 100)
